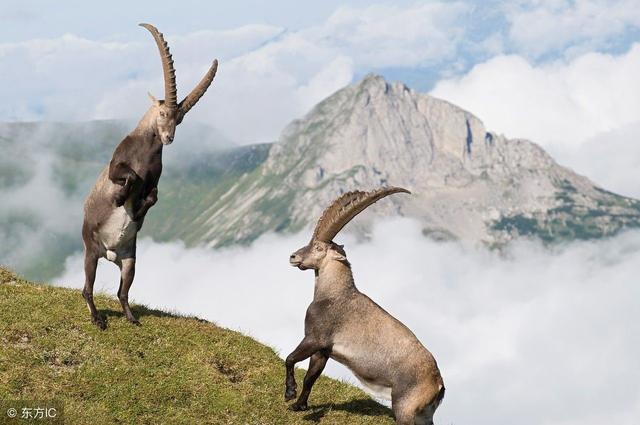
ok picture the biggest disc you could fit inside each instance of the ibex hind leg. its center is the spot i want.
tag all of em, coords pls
(425, 416)
(426, 403)
(127, 273)
(412, 406)
(90, 266)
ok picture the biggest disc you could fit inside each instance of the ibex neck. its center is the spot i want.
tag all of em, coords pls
(333, 280)
(146, 128)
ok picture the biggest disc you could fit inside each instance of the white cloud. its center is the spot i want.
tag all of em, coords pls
(531, 337)
(66, 77)
(267, 76)
(390, 36)
(612, 160)
(584, 112)
(540, 27)
(552, 104)
(287, 75)
(258, 93)
(33, 212)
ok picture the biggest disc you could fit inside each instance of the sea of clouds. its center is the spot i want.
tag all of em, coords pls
(531, 335)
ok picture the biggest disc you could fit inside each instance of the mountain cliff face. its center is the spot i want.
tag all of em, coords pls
(467, 183)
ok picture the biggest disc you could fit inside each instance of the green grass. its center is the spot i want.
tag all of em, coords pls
(170, 370)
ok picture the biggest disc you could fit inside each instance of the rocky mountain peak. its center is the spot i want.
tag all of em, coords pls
(467, 183)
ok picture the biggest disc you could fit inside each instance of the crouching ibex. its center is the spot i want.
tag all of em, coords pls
(344, 324)
(115, 209)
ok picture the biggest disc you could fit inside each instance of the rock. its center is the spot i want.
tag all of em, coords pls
(468, 183)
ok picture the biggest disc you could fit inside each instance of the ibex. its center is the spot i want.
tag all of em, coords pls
(345, 325)
(125, 190)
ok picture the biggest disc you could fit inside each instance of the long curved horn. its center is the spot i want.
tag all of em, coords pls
(170, 90)
(345, 208)
(197, 92)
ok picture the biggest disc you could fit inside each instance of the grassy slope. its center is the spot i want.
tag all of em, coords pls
(170, 370)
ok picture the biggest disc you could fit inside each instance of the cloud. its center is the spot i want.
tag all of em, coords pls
(270, 86)
(584, 112)
(390, 36)
(267, 76)
(36, 212)
(554, 104)
(610, 159)
(292, 71)
(543, 27)
(270, 75)
(73, 78)
(533, 336)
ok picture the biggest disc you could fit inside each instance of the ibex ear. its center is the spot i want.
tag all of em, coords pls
(335, 255)
(153, 99)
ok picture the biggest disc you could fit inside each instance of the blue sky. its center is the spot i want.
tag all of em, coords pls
(562, 73)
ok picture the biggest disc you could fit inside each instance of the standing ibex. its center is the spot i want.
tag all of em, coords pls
(344, 324)
(115, 209)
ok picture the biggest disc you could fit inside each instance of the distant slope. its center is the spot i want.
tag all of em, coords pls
(189, 188)
(172, 369)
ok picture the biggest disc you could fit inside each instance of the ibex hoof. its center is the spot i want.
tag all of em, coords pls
(289, 394)
(100, 323)
(297, 406)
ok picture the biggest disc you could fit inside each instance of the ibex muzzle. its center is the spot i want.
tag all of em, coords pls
(345, 325)
(125, 190)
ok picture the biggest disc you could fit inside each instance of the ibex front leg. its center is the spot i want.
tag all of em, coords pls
(147, 203)
(316, 366)
(121, 174)
(304, 350)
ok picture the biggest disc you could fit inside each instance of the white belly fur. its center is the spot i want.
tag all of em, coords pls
(339, 352)
(373, 389)
(118, 229)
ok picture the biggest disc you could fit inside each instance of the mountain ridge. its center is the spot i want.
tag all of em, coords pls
(468, 183)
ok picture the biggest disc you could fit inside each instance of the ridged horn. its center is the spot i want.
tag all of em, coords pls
(197, 92)
(170, 90)
(345, 208)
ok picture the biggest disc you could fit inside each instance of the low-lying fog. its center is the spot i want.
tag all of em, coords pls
(530, 336)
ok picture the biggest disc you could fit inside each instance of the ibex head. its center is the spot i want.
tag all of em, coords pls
(315, 254)
(321, 248)
(165, 115)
